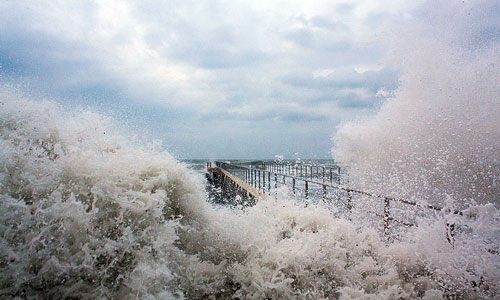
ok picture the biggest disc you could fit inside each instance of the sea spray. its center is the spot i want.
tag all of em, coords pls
(437, 141)
(86, 214)
(439, 135)
(80, 206)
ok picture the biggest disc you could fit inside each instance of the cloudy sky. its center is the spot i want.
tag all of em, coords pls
(211, 79)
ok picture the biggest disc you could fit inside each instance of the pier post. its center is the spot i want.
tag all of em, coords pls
(264, 180)
(269, 181)
(251, 177)
(259, 179)
(307, 188)
(387, 216)
(349, 202)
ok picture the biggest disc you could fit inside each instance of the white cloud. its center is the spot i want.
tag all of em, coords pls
(365, 68)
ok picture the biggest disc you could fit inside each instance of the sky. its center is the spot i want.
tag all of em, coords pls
(211, 79)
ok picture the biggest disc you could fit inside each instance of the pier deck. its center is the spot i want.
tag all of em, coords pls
(237, 183)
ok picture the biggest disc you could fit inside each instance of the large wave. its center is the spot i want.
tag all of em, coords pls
(86, 212)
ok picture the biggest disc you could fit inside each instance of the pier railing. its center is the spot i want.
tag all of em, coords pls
(316, 182)
(319, 173)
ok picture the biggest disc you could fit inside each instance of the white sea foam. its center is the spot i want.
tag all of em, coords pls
(86, 213)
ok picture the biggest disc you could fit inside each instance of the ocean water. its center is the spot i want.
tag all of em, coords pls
(87, 212)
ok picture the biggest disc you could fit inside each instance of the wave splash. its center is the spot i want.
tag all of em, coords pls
(437, 141)
(438, 136)
(86, 212)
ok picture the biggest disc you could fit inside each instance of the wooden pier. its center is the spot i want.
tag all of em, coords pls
(233, 186)
(247, 184)
(251, 182)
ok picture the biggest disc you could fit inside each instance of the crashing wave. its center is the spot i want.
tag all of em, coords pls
(86, 213)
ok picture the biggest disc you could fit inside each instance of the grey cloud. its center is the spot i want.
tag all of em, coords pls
(330, 24)
(353, 100)
(60, 65)
(320, 33)
(210, 55)
(344, 98)
(302, 117)
(347, 79)
(309, 82)
(287, 112)
(216, 48)
(345, 8)
(301, 36)
(348, 89)
(202, 34)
